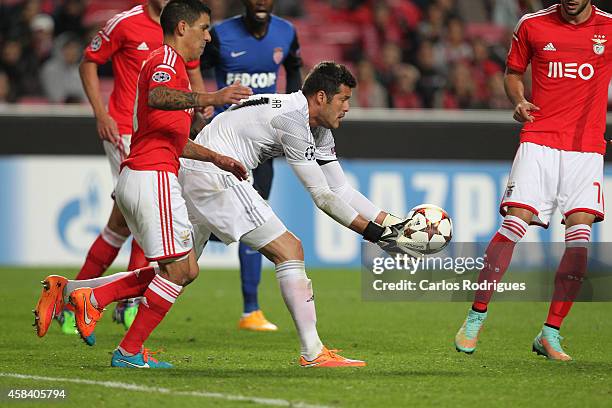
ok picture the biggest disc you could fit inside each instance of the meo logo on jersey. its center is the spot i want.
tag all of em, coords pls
(570, 70)
(161, 76)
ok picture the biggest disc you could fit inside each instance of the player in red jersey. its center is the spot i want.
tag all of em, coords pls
(147, 191)
(559, 163)
(127, 39)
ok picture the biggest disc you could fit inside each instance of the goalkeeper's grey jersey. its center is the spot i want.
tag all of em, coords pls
(262, 127)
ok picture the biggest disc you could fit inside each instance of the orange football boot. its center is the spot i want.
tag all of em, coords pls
(86, 314)
(50, 304)
(329, 358)
(256, 321)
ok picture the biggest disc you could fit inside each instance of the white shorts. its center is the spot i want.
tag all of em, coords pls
(117, 153)
(543, 179)
(229, 208)
(153, 206)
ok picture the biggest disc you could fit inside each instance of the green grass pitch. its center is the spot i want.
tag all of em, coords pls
(408, 347)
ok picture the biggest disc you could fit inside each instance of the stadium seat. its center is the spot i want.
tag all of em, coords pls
(491, 33)
(33, 100)
(314, 53)
(340, 34)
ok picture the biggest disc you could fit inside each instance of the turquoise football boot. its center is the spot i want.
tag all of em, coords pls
(548, 344)
(467, 336)
(140, 360)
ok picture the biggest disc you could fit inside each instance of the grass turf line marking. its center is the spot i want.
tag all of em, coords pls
(159, 390)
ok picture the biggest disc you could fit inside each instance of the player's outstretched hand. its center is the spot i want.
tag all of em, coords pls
(522, 111)
(233, 166)
(232, 94)
(107, 129)
(208, 112)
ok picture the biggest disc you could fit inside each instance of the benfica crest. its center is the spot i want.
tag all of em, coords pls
(277, 56)
(598, 44)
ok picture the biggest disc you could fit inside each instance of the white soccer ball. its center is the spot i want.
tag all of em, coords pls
(429, 229)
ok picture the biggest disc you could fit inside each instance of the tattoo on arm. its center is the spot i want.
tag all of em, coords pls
(195, 151)
(165, 98)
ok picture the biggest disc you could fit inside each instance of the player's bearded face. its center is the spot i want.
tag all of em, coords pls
(334, 110)
(575, 7)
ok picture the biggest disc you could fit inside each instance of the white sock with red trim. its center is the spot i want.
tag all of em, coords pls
(91, 283)
(513, 228)
(570, 274)
(577, 235)
(497, 258)
(157, 301)
(297, 292)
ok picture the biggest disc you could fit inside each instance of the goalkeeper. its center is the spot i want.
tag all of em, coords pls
(297, 126)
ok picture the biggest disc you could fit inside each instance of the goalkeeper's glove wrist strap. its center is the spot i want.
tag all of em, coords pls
(391, 219)
(373, 232)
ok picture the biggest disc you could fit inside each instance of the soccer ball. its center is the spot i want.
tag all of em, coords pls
(429, 229)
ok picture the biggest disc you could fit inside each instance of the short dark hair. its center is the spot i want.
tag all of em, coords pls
(177, 10)
(327, 76)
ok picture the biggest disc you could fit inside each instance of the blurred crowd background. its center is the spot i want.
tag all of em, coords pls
(406, 54)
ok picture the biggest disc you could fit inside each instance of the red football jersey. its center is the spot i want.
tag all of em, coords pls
(128, 39)
(571, 69)
(159, 135)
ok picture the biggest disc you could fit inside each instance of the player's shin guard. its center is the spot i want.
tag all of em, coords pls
(131, 285)
(137, 257)
(101, 254)
(297, 292)
(570, 273)
(250, 275)
(498, 256)
(158, 299)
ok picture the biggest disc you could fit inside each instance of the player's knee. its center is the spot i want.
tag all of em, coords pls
(191, 275)
(522, 213)
(181, 271)
(124, 231)
(580, 218)
(117, 223)
(294, 248)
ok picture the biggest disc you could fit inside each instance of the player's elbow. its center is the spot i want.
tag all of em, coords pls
(344, 191)
(87, 68)
(322, 197)
(512, 75)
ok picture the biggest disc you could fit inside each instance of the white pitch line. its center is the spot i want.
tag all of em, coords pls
(135, 387)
